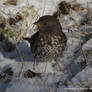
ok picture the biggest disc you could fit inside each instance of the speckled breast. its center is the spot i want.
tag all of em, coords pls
(51, 48)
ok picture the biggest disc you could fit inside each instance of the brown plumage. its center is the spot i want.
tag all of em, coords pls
(49, 42)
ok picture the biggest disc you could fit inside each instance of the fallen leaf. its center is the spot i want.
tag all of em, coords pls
(9, 71)
(10, 2)
(12, 21)
(31, 74)
(77, 8)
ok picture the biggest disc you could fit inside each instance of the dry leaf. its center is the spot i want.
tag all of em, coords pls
(2, 25)
(77, 8)
(31, 74)
(6, 73)
(12, 21)
(9, 71)
(18, 18)
(10, 2)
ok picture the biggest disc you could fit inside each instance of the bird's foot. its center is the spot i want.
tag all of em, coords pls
(33, 66)
(59, 66)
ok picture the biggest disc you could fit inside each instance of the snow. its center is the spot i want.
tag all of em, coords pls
(75, 74)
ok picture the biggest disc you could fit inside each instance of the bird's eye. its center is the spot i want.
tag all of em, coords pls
(45, 23)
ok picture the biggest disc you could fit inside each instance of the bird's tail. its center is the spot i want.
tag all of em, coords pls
(27, 38)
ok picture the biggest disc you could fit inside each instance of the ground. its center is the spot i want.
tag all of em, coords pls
(76, 59)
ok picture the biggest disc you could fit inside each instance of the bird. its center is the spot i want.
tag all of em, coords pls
(49, 42)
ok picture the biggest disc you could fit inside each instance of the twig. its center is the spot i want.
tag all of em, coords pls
(21, 59)
(5, 13)
(44, 7)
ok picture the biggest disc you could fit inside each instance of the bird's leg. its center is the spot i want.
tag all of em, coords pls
(34, 63)
(60, 68)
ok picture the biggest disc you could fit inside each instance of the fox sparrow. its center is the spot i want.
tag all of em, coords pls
(50, 41)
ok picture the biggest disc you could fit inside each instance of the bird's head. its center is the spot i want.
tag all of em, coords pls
(47, 21)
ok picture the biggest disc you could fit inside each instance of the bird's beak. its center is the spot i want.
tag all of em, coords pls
(37, 24)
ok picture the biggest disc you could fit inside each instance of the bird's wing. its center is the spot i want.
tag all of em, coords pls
(38, 41)
(35, 43)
